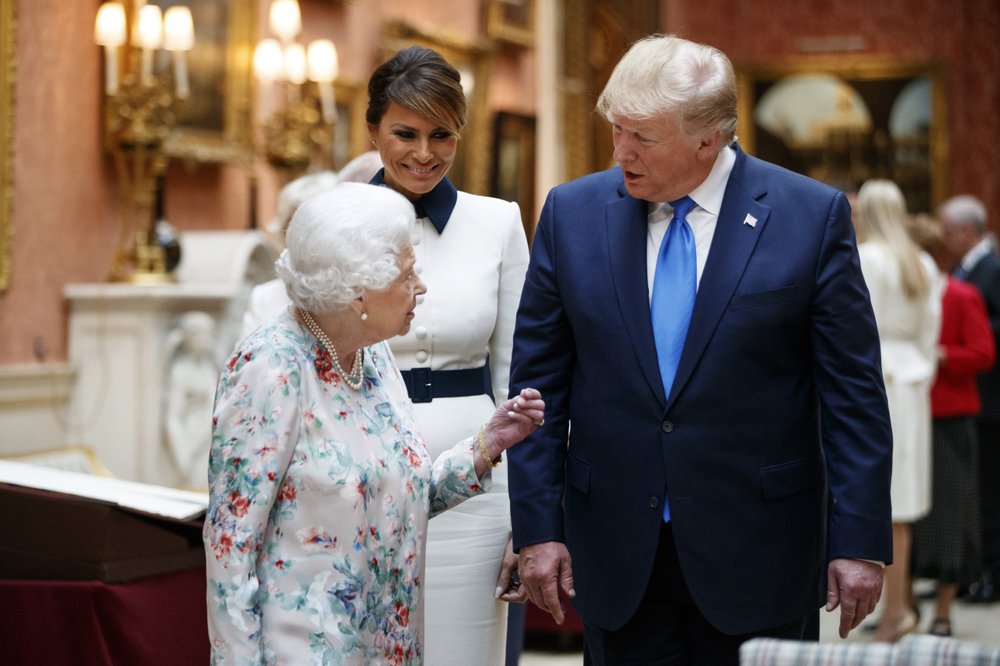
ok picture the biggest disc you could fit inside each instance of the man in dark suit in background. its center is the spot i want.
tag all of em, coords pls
(715, 459)
(963, 219)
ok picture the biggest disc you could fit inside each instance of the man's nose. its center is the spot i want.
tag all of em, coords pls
(623, 150)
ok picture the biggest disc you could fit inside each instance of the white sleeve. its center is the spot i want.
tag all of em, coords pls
(513, 266)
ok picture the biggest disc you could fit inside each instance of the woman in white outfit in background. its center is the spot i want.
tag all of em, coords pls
(905, 292)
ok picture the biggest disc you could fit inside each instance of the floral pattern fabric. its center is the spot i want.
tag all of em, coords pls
(319, 502)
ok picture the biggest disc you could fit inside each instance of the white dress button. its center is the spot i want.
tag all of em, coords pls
(415, 239)
(421, 332)
(421, 356)
(420, 298)
(418, 268)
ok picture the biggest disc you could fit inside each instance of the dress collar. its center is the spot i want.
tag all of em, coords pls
(436, 205)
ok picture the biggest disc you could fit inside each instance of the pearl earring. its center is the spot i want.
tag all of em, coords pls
(364, 316)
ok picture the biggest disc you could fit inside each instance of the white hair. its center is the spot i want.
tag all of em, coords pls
(343, 242)
(294, 193)
(663, 74)
(965, 209)
(361, 169)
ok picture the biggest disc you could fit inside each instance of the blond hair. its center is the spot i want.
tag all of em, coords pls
(884, 220)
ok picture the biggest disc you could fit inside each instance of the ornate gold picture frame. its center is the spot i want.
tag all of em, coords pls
(514, 164)
(214, 124)
(8, 63)
(350, 135)
(511, 21)
(846, 120)
(471, 169)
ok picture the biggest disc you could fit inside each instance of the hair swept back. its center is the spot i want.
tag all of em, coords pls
(666, 74)
(421, 80)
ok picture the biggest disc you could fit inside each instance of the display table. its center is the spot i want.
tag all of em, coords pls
(150, 621)
(97, 571)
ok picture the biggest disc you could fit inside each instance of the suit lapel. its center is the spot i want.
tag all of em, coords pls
(732, 245)
(627, 222)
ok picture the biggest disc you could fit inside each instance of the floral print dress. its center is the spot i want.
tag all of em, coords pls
(319, 502)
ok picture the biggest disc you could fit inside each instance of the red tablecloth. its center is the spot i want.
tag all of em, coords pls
(145, 622)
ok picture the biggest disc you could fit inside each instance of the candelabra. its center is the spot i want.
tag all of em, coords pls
(139, 112)
(299, 134)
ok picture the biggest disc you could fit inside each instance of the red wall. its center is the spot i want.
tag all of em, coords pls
(963, 34)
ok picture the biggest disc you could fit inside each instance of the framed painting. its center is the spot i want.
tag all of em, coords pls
(470, 170)
(8, 34)
(844, 121)
(214, 123)
(511, 21)
(514, 164)
(350, 134)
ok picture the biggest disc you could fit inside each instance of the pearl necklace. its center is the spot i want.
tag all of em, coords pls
(355, 378)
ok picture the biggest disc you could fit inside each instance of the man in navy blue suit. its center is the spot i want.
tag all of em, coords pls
(715, 459)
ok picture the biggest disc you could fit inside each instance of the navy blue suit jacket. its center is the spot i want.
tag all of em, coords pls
(774, 446)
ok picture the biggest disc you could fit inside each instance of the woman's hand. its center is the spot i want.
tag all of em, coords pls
(509, 586)
(514, 420)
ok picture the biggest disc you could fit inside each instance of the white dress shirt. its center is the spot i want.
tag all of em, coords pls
(702, 218)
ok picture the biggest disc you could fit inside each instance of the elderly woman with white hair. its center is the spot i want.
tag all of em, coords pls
(320, 484)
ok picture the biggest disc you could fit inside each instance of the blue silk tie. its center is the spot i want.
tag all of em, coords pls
(674, 287)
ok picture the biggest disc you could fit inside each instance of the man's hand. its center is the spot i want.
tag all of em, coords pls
(546, 571)
(855, 586)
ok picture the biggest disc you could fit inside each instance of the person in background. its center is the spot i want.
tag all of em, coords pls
(906, 295)
(715, 459)
(970, 245)
(269, 297)
(321, 485)
(946, 542)
(472, 253)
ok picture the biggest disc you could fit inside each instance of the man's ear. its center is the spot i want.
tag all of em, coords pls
(711, 144)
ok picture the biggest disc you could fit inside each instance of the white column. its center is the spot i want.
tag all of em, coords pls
(550, 167)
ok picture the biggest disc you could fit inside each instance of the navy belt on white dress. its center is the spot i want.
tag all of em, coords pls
(424, 384)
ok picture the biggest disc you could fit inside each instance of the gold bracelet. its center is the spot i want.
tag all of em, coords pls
(484, 450)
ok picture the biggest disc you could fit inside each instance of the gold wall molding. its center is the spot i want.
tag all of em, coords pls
(8, 68)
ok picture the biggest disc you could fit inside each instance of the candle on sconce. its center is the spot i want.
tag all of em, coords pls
(295, 69)
(285, 19)
(178, 32)
(148, 36)
(109, 32)
(268, 65)
(323, 69)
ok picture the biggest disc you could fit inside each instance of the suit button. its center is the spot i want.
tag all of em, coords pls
(654, 502)
(668, 426)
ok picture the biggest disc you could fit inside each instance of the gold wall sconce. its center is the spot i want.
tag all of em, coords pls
(140, 104)
(299, 132)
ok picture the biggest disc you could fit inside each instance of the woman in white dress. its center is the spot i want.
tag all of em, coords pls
(320, 483)
(472, 253)
(905, 292)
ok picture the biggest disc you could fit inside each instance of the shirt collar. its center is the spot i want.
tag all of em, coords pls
(975, 253)
(709, 194)
(436, 205)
